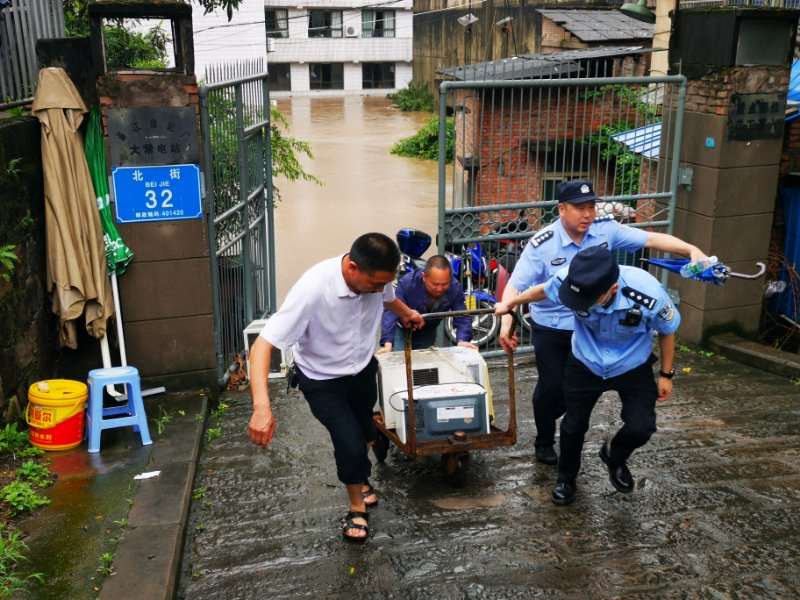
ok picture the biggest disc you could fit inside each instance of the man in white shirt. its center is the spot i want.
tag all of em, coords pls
(331, 318)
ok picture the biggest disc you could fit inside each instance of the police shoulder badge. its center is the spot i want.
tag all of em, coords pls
(540, 239)
(604, 218)
(558, 261)
(666, 313)
(639, 297)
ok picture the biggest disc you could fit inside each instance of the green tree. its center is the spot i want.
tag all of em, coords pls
(124, 48)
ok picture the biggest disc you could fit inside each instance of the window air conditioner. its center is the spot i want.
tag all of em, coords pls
(451, 392)
(350, 31)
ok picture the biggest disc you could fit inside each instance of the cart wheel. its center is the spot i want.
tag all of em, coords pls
(450, 463)
(381, 447)
(455, 463)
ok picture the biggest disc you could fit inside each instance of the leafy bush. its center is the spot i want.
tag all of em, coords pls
(34, 473)
(8, 260)
(22, 497)
(425, 143)
(12, 553)
(415, 97)
(12, 440)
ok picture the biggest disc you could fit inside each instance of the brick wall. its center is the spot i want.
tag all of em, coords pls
(510, 138)
(555, 38)
(712, 93)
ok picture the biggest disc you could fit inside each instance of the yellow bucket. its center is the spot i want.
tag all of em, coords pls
(55, 413)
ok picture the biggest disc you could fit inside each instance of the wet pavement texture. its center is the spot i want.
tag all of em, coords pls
(716, 512)
(91, 499)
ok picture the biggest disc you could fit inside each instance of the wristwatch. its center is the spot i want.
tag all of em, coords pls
(667, 374)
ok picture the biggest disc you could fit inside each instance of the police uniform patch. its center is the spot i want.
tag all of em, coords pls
(666, 313)
(558, 261)
(540, 239)
(639, 297)
(604, 218)
(603, 245)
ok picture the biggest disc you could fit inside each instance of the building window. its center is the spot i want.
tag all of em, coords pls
(277, 22)
(550, 183)
(326, 76)
(324, 23)
(377, 75)
(279, 77)
(377, 23)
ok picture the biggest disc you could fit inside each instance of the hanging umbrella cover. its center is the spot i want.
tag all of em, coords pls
(118, 255)
(76, 266)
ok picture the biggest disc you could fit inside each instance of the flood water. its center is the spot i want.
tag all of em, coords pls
(365, 188)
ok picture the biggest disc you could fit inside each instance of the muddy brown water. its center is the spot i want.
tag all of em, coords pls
(365, 188)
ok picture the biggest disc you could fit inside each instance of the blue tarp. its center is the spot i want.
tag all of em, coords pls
(786, 303)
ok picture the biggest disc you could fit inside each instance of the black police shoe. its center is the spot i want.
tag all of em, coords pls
(619, 476)
(564, 493)
(546, 455)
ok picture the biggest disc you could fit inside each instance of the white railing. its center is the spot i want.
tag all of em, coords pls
(22, 24)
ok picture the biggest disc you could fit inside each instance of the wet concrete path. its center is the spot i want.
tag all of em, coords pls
(716, 513)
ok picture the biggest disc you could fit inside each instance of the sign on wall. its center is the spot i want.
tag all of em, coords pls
(152, 136)
(756, 117)
(157, 193)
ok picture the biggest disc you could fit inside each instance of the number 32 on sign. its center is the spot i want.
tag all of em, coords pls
(163, 193)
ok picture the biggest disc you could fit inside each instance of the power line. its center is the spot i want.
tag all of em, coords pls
(365, 6)
(298, 17)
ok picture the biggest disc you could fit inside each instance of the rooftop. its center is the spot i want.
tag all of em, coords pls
(599, 25)
(533, 66)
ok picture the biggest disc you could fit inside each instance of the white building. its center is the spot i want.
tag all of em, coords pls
(338, 46)
(218, 41)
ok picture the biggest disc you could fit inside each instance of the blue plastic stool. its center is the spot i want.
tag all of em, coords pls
(127, 414)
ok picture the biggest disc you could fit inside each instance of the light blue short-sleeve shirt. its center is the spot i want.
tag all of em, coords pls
(602, 341)
(551, 249)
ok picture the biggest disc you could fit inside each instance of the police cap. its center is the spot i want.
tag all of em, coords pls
(577, 191)
(591, 273)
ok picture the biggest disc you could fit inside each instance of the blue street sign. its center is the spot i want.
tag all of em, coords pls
(164, 193)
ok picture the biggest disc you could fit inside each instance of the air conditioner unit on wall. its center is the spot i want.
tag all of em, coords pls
(350, 31)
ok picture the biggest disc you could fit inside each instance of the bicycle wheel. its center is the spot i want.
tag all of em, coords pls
(484, 327)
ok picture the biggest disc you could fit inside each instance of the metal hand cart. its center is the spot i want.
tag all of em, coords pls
(454, 449)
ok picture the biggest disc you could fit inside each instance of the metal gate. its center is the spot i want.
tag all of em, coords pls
(235, 121)
(510, 133)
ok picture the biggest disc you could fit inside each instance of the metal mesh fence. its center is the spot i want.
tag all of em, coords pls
(22, 24)
(235, 119)
(509, 142)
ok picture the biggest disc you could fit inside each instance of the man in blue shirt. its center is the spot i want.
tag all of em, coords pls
(552, 249)
(433, 289)
(616, 311)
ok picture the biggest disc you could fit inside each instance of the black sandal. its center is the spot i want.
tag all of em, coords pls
(370, 491)
(347, 523)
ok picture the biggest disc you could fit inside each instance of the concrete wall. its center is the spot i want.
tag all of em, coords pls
(729, 210)
(166, 291)
(28, 349)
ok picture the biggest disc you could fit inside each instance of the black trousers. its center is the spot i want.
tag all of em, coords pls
(552, 350)
(344, 406)
(638, 392)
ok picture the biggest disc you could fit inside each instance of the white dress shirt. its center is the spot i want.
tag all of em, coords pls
(332, 330)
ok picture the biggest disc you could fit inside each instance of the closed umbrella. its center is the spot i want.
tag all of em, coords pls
(118, 255)
(76, 265)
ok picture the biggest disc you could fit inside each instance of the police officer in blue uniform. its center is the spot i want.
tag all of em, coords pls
(616, 310)
(548, 251)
